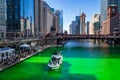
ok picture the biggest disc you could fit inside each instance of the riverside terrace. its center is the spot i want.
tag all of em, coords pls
(10, 57)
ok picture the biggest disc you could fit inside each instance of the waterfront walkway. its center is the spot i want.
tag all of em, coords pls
(22, 59)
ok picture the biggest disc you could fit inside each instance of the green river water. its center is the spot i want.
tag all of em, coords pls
(83, 60)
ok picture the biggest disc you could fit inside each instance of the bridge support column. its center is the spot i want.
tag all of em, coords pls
(111, 41)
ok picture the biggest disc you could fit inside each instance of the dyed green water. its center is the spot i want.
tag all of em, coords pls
(82, 61)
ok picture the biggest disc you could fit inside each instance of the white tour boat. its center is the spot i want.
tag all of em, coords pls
(55, 61)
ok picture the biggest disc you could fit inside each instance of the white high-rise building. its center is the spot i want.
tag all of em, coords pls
(48, 17)
(22, 24)
(82, 23)
(94, 24)
(33, 29)
(70, 29)
(38, 21)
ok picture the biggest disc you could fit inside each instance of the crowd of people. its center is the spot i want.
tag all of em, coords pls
(19, 54)
(25, 52)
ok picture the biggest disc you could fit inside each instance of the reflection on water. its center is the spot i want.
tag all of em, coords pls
(86, 43)
(90, 49)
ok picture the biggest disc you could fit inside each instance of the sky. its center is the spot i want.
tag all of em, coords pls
(29, 8)
(72, 8)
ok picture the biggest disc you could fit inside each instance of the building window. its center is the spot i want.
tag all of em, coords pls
(10, 17)
(2, 55)
(6, 53)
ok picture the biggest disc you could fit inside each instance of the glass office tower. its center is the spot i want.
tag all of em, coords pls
(27, 8)
(2, 20)
(119, 5)
(27, 17)
(104, 5)
(77, 18)
(112, 2)
(2, 12)
(17, 9)
(59, 14)
(13, 18)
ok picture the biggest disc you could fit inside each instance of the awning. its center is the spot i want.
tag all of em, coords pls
(25, 46)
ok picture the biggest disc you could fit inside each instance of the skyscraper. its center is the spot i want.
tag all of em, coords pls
(2, 20)
(74, 27)
(82, 23)
(111, 25)
(48, 18)
(38, 18)
(27, 13)
(119, 5)
(112, 2)
(78, 24)
(94, 24)
(70, 29)
(88, 25)
(104, 5)
(59, 14)
(13, 18)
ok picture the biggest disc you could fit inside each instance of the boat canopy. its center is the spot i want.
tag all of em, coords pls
(25, 46)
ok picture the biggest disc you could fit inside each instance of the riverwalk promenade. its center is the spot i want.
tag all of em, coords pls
(2, 68)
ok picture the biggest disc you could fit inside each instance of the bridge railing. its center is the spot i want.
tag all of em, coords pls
(115, 35)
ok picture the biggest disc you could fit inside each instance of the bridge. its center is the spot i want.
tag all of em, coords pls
(88, 37)
(95, 36)
(63, 37)
(112, 38)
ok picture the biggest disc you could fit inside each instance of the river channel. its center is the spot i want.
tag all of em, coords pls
(83, 60)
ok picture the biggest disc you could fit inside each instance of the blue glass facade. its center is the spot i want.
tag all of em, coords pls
(59, 13)
(13, 15)
(27, 13)
(104, 5)
(61, 21)
(2, 20)
(2, 13)
(27, 8)
(103, 15)
(78, 25)
(119, 5)
(74, 27)
(112, 2)
(17, 9)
